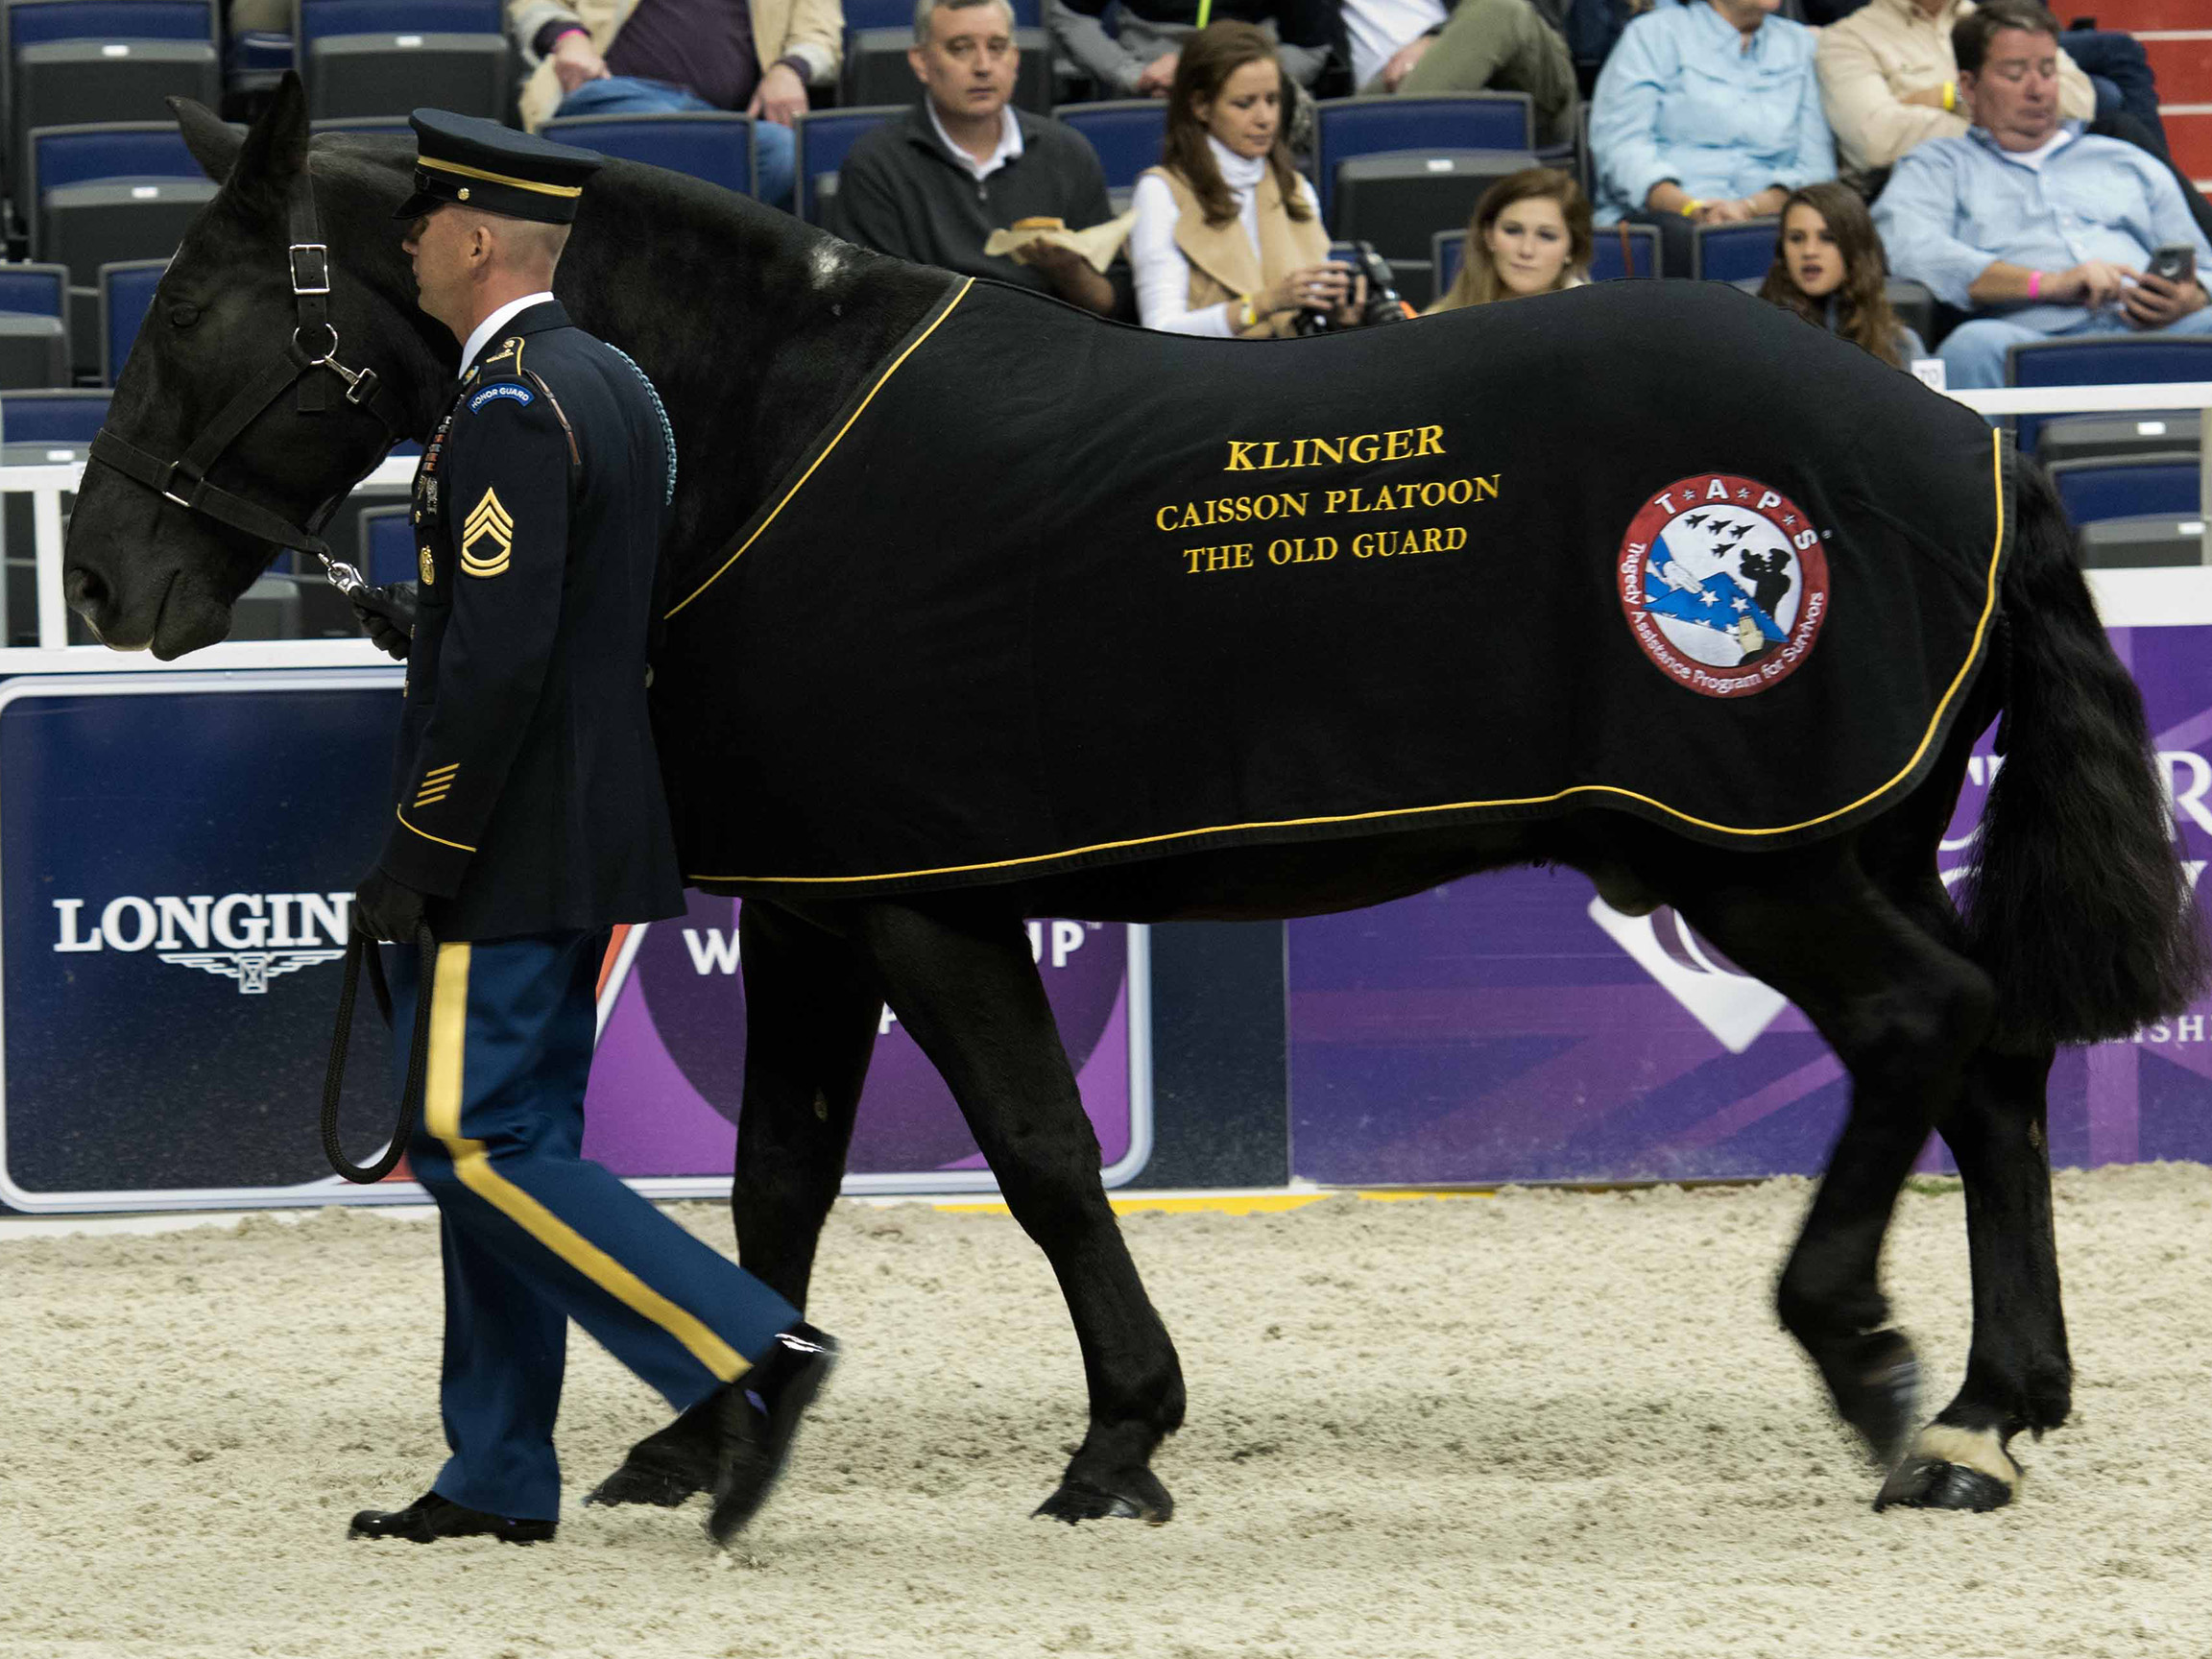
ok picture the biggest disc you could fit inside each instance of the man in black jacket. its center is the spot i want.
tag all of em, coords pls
(529, 821)
(965, 162)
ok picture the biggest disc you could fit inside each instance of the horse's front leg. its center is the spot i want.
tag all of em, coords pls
(811, 1014)
(2018, 1373)
(960, 975)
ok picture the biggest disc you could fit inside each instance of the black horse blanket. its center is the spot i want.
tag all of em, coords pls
(1053, 592)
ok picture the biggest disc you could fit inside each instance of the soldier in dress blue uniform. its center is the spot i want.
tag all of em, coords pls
(528, 820)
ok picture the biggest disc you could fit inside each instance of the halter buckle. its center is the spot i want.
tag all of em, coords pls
(310, 267)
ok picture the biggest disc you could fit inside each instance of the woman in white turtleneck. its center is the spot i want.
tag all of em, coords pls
(1228, 240)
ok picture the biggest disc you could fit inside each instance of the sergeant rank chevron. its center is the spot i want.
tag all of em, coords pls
(488, 520)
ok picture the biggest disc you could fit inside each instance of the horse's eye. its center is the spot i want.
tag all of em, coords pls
(183, 316)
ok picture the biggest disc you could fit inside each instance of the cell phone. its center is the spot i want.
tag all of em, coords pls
(2174, 262)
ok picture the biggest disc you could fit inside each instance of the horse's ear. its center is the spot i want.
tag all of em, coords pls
(213, 141)
(275, 148)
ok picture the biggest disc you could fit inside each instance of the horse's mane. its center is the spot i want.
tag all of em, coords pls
(753, 326)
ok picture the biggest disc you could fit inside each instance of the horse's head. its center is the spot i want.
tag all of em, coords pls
(240, 413)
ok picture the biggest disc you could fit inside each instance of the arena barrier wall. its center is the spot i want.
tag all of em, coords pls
(177, 841)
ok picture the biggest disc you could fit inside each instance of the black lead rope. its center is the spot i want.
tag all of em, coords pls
(360, 947)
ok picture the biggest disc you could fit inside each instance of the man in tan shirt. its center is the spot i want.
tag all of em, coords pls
(1889, 81)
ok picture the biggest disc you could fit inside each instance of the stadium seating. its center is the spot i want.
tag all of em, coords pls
(365, 125)
(1126, 133)
(1398, 199)
(77, 61)
(388, 57)
(1619, 251)
(2113, 437)
(2152, 539)
(2128, 487)
(2101, 360)
(1733, 252)
(1347, 128)
(123, 191)
(712, 145)
(126, 295)
(825, 139)
(876, 71)
(385, 545)
(34, 306)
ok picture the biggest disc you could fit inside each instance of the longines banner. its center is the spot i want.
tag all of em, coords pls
(176, 858)
(1513, 1028)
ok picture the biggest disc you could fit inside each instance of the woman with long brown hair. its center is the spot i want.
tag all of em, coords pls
(1829, 268)
(1531, 234)
(1228, 239)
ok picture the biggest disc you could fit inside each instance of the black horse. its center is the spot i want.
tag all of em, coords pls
(758, 331)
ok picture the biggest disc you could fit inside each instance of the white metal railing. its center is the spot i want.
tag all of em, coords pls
(2148, 597)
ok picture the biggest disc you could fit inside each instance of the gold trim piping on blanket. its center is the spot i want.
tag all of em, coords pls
(761, 529)
(1935, 724)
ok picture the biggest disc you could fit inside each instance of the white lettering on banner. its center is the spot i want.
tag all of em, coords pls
(2192, 799)
(2189, 1028)
(1068, 938)
(254, 931)
(715, 954)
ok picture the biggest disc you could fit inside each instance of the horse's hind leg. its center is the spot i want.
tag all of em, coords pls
(2018, 1373)
(811, 1012)
(1904, 1014)
(960, 976)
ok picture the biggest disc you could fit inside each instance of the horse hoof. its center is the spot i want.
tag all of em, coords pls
(1141, 1498)
(1952, 1468)
(633, 1483)
(1881, 1398)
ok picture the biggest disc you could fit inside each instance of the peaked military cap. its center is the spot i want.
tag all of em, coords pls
(466, 158)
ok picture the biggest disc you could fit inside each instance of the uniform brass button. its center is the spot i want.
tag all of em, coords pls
(463, 192)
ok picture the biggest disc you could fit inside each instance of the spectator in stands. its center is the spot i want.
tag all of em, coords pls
(651, 56)
(1707, 113)
(2029, 213)
(1889, 81)
(1829, 269)
(1138, 58)
(1228, 239)
(1531, 234)
(964, 162)
(1467, 46)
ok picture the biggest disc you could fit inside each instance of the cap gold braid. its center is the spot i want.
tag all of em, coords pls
(501, 177)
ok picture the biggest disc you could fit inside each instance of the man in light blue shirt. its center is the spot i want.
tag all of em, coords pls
(2030, 214)
(1707, 113)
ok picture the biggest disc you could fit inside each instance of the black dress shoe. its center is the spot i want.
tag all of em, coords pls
(430, 1518)
(758, 1416)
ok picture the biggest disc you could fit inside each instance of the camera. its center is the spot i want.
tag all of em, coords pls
(1383, 303)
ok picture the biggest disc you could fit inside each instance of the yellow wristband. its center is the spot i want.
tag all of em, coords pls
(1951, 95)
(1689, 207)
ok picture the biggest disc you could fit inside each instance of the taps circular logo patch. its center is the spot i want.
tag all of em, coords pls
(1725, 584)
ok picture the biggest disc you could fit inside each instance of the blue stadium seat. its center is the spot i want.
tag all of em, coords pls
(71, 62)
(709, 144)
(1609, 260)
(63, 418)
(1733, 252)
(825, 139)
(387, 57)
(2101, 360)
(35, 290)
(1349, 126)
(1127, 132)
(386, 553)
(2128, 487)
(117, 150)
(126, 295)
(393, 125)
(127, 190)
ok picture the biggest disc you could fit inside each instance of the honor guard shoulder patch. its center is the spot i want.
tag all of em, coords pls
(489, 520)
(504, 389)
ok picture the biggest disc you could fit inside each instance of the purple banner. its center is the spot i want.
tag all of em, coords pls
(1512, 1027)
(669, 1075)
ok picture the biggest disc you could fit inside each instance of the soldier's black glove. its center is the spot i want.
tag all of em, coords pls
(387, 615)
(386, 909)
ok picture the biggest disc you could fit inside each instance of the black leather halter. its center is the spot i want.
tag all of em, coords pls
(185, 481)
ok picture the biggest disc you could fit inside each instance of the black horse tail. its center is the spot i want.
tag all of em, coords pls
(2076, 901)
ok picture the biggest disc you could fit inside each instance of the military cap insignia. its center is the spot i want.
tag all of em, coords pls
(489, 520)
